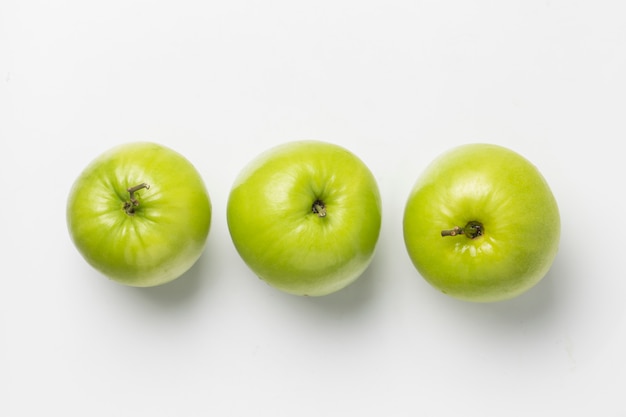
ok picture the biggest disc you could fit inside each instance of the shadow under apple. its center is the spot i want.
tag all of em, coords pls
(355, 297)
(179, 292)
(539, 304)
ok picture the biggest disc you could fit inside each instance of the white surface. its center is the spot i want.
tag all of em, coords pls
(397, 82)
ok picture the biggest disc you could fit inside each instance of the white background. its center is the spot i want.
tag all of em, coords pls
(396, 82)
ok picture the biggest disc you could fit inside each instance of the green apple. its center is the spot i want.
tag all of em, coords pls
(481, 224)
(140, 214)
(305, 216)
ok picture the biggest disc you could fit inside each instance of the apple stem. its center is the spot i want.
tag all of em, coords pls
(453, 232)
(472, 230)
(129, 206)
(319, 208)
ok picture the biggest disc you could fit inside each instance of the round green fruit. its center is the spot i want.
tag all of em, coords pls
(140, 214)
(305, 217)
(481, 224)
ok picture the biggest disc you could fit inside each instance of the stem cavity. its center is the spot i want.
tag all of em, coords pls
(472, 230)
(319, 208)
(132, 203)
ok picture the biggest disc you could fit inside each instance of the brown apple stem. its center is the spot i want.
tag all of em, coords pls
(319, 208)
(472, 230)
(453, 232)
(129, 206)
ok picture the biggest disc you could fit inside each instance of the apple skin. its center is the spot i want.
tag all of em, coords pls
(168, 230)
(279, 236)
(507, 194)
